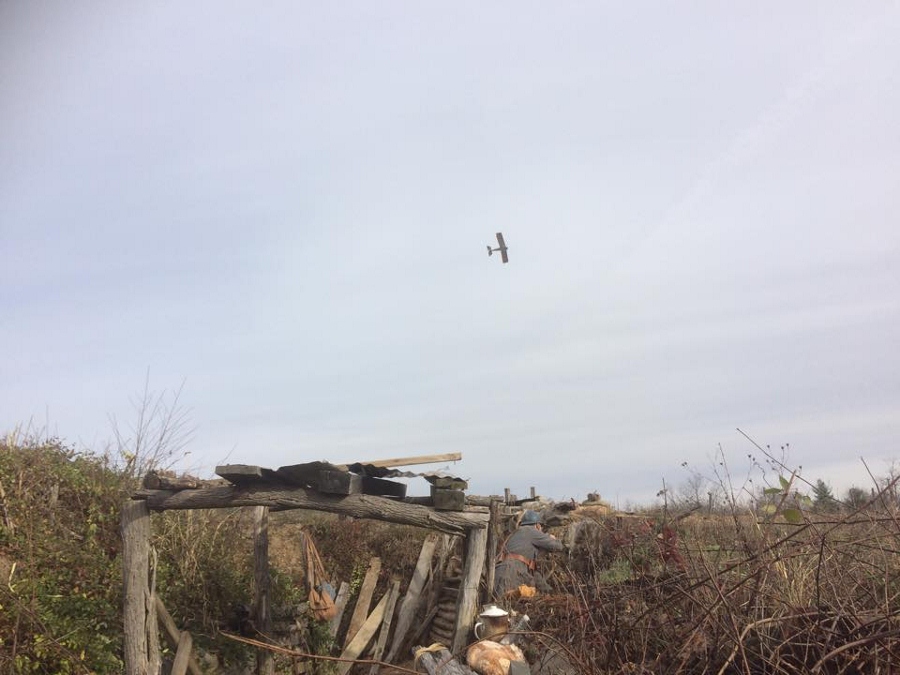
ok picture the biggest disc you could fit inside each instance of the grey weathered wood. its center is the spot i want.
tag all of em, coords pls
(381, 486)
(265, 659)
(340, 603)
(358, 506)
(154, 654)
(182, 654)
(155, 480)
(493, 544)
(304, 475)
(135, 522)
(363, 600)
(385, 626)
(339, 482)
(476, 548)
(173, 635)
(240, 473)
(410, 604)
(446, 499)
(450, 482)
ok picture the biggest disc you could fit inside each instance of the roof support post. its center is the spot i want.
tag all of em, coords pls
(473, 567)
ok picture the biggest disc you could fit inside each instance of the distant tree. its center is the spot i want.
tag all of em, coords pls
(823, 497)
(856, 497)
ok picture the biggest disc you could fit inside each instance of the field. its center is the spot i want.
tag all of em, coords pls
(782, 589)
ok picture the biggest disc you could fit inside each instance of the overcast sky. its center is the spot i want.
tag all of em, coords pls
(284, 208)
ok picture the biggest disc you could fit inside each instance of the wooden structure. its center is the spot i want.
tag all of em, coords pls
(357, 490)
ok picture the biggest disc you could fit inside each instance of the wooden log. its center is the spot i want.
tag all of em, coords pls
(265, 659)
(385, 626)
(357, 506)
(410, 604)
(173, 635)
(363, 600)
(476, 548)
(135, 525)
(340, 603)
(363, 636)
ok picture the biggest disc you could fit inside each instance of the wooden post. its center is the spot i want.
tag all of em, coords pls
(265, 660)
(136, 569)
(493, 544)
(476, 549)
(410, 602)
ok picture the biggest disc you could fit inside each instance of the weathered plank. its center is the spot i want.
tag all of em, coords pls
(409, 461)
(385, 626)
(340, 603)
(493, 544)
(306, 474)
(363, 600)
(240, 474)
(358, 506)
(363, 636)
(450, 482)
(410, 603)
(157, 480)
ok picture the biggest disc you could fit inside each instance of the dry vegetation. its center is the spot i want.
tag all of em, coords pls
(734, 591)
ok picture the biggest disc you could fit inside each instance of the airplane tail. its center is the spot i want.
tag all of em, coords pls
(490, 251)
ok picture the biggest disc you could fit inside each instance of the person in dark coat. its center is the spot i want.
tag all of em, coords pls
(519, 553)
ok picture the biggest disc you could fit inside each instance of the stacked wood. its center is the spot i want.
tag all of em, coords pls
(410, 605)
(440, 662)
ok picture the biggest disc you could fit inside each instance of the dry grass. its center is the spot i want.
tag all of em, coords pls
(729, 594)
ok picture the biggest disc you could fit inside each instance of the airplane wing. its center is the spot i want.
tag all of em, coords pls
(503, 254)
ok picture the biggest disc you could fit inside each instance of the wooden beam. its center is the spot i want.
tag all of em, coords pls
(408, 461)
(358, 506)
(476, 546)
(363, 600)
(135, 522)
(410, 603)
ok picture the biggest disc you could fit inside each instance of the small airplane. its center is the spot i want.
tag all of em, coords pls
(501, 248)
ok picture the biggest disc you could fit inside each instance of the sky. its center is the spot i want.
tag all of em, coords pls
(281, 211)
